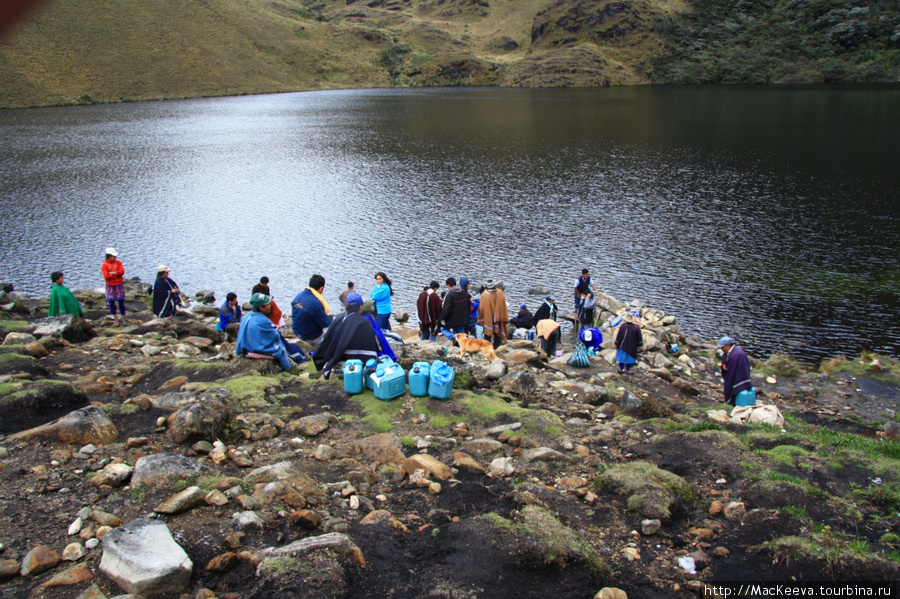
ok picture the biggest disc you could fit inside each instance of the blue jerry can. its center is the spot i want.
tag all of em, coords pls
(389, 380)
(418, 379)
(370, 370)
(440, 383)
(353, 377)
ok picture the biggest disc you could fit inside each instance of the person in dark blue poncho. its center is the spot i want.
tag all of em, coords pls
(735, 370)
(350, 336)
(166, 295)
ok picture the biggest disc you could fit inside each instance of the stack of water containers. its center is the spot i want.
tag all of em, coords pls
(387, 379)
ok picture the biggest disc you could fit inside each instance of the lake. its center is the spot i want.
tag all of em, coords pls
(770, 213)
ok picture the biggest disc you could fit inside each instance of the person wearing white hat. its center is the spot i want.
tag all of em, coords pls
(114, 275)
(166, 294)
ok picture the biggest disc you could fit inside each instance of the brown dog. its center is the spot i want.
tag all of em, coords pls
(473, 346)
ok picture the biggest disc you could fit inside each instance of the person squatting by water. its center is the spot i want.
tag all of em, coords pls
(114, 275)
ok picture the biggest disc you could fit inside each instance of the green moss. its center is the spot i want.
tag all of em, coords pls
(128, 408)
(650, 491)
(7, 388)
(890, 538)
(824, 544)
(780, 364)
(787, 455)
(247, 390)
(188, 366)
(280, 566)
(14, 357)
(796, 511)
(558, 544)
(377, 414)
(408, 440)
(16, 326)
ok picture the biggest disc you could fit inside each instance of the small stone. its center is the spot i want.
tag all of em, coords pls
(92, 543)
(8, 568)
(715, 508)
(324, 453)
(721, 552)
(40, 559)
(233, 540)
(735, 511)
(611, 593)
(216, 497)
(650, 526)
(307, 519)
(74, 552)
(435, 488)
(223, 563)
(76, 526)
(173, 383)
(72, 576)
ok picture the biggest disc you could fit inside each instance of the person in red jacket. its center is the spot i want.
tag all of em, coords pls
(429, 308)
(114, 275)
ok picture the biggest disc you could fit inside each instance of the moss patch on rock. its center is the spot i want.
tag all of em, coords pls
(650, 491)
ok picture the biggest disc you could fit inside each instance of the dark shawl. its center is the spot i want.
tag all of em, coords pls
(350, 336)
(629, 339)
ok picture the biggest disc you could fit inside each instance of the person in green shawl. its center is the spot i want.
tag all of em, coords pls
(61, 299)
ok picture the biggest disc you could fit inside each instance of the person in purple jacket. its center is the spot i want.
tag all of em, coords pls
(735, 369)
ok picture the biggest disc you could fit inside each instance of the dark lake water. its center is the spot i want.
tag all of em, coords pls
(768, 213)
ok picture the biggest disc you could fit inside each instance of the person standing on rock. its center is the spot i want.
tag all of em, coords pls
(493, 316)
(61, 299)
(114, 275)
(166, 294)
(428, 306)
(547, 309)
(381, 295)
(583, 284)
(455, 312)
(343, 296)
(735, 370)
(628, 340)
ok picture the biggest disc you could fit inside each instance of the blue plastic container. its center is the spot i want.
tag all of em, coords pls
(419, 375)
(746, 398)
(370, 370)
(353, 377)
(389, 380)
(440, 381)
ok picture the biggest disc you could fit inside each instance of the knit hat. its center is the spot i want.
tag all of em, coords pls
(258, 300)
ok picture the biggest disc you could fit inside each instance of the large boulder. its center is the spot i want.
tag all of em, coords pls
(86, 425)
(157, 469)
(71, 328)
(206, 420)
(144, 559)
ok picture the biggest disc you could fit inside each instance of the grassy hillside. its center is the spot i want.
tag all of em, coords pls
(75, 51)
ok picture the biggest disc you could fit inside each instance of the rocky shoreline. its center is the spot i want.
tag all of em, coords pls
(162, 465)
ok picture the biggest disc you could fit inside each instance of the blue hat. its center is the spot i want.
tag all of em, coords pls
(550, 297)
(725, 341)
(522, 306)
(463, 283)
(354, 299)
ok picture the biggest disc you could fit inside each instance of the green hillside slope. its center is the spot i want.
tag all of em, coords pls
(78, 51)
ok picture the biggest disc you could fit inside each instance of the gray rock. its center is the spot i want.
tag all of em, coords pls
(496, 370)
(539, 290)
(182, 502)
(15, 338)
(71, 328)
(89, 424)
(401, 315)
(583, 392)
(143, 558)
(660, 360)
(205, 297)
(153, 470)
(630, 401)
(247, 520)
(545, 454)
(482, 447)
(501, 467)
(501, 428)
(518, 381)
(205, 420)
(650, 526)
(663, 374)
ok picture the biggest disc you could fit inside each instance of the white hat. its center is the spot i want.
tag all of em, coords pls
(162, 267)
(111, 251)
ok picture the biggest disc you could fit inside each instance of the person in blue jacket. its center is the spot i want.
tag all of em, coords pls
(258, 335)
(229, 315)
(381, 295)
(310, 313)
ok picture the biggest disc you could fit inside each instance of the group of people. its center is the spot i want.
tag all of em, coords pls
(353, 334)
